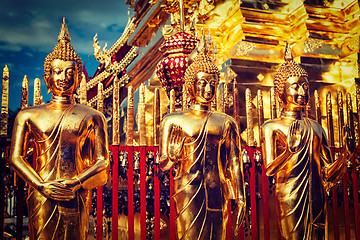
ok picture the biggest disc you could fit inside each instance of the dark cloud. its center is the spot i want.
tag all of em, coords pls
(29, 31)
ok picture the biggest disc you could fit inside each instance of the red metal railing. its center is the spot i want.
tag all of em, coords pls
(256, 176)
(345, 225)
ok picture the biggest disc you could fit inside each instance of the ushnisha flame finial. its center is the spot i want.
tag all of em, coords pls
(64, 33)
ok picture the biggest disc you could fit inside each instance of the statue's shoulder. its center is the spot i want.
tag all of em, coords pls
(87, 110)
(220, 116)
(31, 112)
(173, 118)
(269, 124)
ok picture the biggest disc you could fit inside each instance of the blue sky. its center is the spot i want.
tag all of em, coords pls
(29, 31)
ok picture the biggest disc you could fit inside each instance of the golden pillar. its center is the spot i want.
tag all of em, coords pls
(116, 113)
(37, 92)
(130, 118)
(4, 102)
(83, 91)
(25, 93)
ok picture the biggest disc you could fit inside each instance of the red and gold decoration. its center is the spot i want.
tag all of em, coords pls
(171, 68)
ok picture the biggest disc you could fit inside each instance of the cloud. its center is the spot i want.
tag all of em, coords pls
(37, 24)
(29, 31)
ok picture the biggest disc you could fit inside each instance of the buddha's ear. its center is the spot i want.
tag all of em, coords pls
(47, 83)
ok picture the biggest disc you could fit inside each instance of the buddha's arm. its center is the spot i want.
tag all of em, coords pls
(234, 171)
(165, 163)
(272, 163)
(97, 174)
(19, 145)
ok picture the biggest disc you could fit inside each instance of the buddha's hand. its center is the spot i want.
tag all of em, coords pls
(239, 214)
(74, 184)
(294, 136)
(176, 143)
(56, 191)
(348, 140)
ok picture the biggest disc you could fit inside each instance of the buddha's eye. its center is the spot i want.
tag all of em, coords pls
(294, 86)
(305, 86)
(70, 71)
(202, 82)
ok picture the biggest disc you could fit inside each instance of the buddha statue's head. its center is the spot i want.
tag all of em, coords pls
(63, 67)
(291, 83)
(201, 79)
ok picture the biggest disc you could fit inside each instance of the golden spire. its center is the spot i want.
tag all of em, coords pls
(25, 93)
(250, 119)
(330, 124)
(172, 101)
(260, 108)
(116, 113)
(273, 103)
(317, 106)
(37, 92)
(4, 102)
(100, 98)
(340, 109)
(185, 103)
(130, 117)
(156, 117)
(141, 112)
(82, 90)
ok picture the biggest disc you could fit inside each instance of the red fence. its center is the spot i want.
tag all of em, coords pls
(343, 214)
(260, 199)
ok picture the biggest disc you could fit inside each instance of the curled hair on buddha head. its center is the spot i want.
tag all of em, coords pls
(288, 69)
(201, 63)
(63, 51)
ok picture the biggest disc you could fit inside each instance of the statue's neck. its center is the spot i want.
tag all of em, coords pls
(200, 107)
(295, 114)
(62, 100)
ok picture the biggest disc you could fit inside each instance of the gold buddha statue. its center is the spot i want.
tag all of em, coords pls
(71, 146)
(204, 145)
(296, 152)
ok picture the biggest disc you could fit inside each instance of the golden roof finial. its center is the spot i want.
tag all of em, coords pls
(288, 53)
(64, 33)
(203, 44)
(181, 9)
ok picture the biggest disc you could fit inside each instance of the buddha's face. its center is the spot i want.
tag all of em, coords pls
(205, 87)
(296, 92)
(63, 74)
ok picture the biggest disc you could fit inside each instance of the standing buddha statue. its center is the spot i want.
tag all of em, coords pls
(296, 152)
(204, 145)
(71, 148)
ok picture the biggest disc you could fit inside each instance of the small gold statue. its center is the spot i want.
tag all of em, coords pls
(296, 152)
(205, 146)
(70, 141)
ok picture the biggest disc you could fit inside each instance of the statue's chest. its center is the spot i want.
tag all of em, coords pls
(57, 125)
